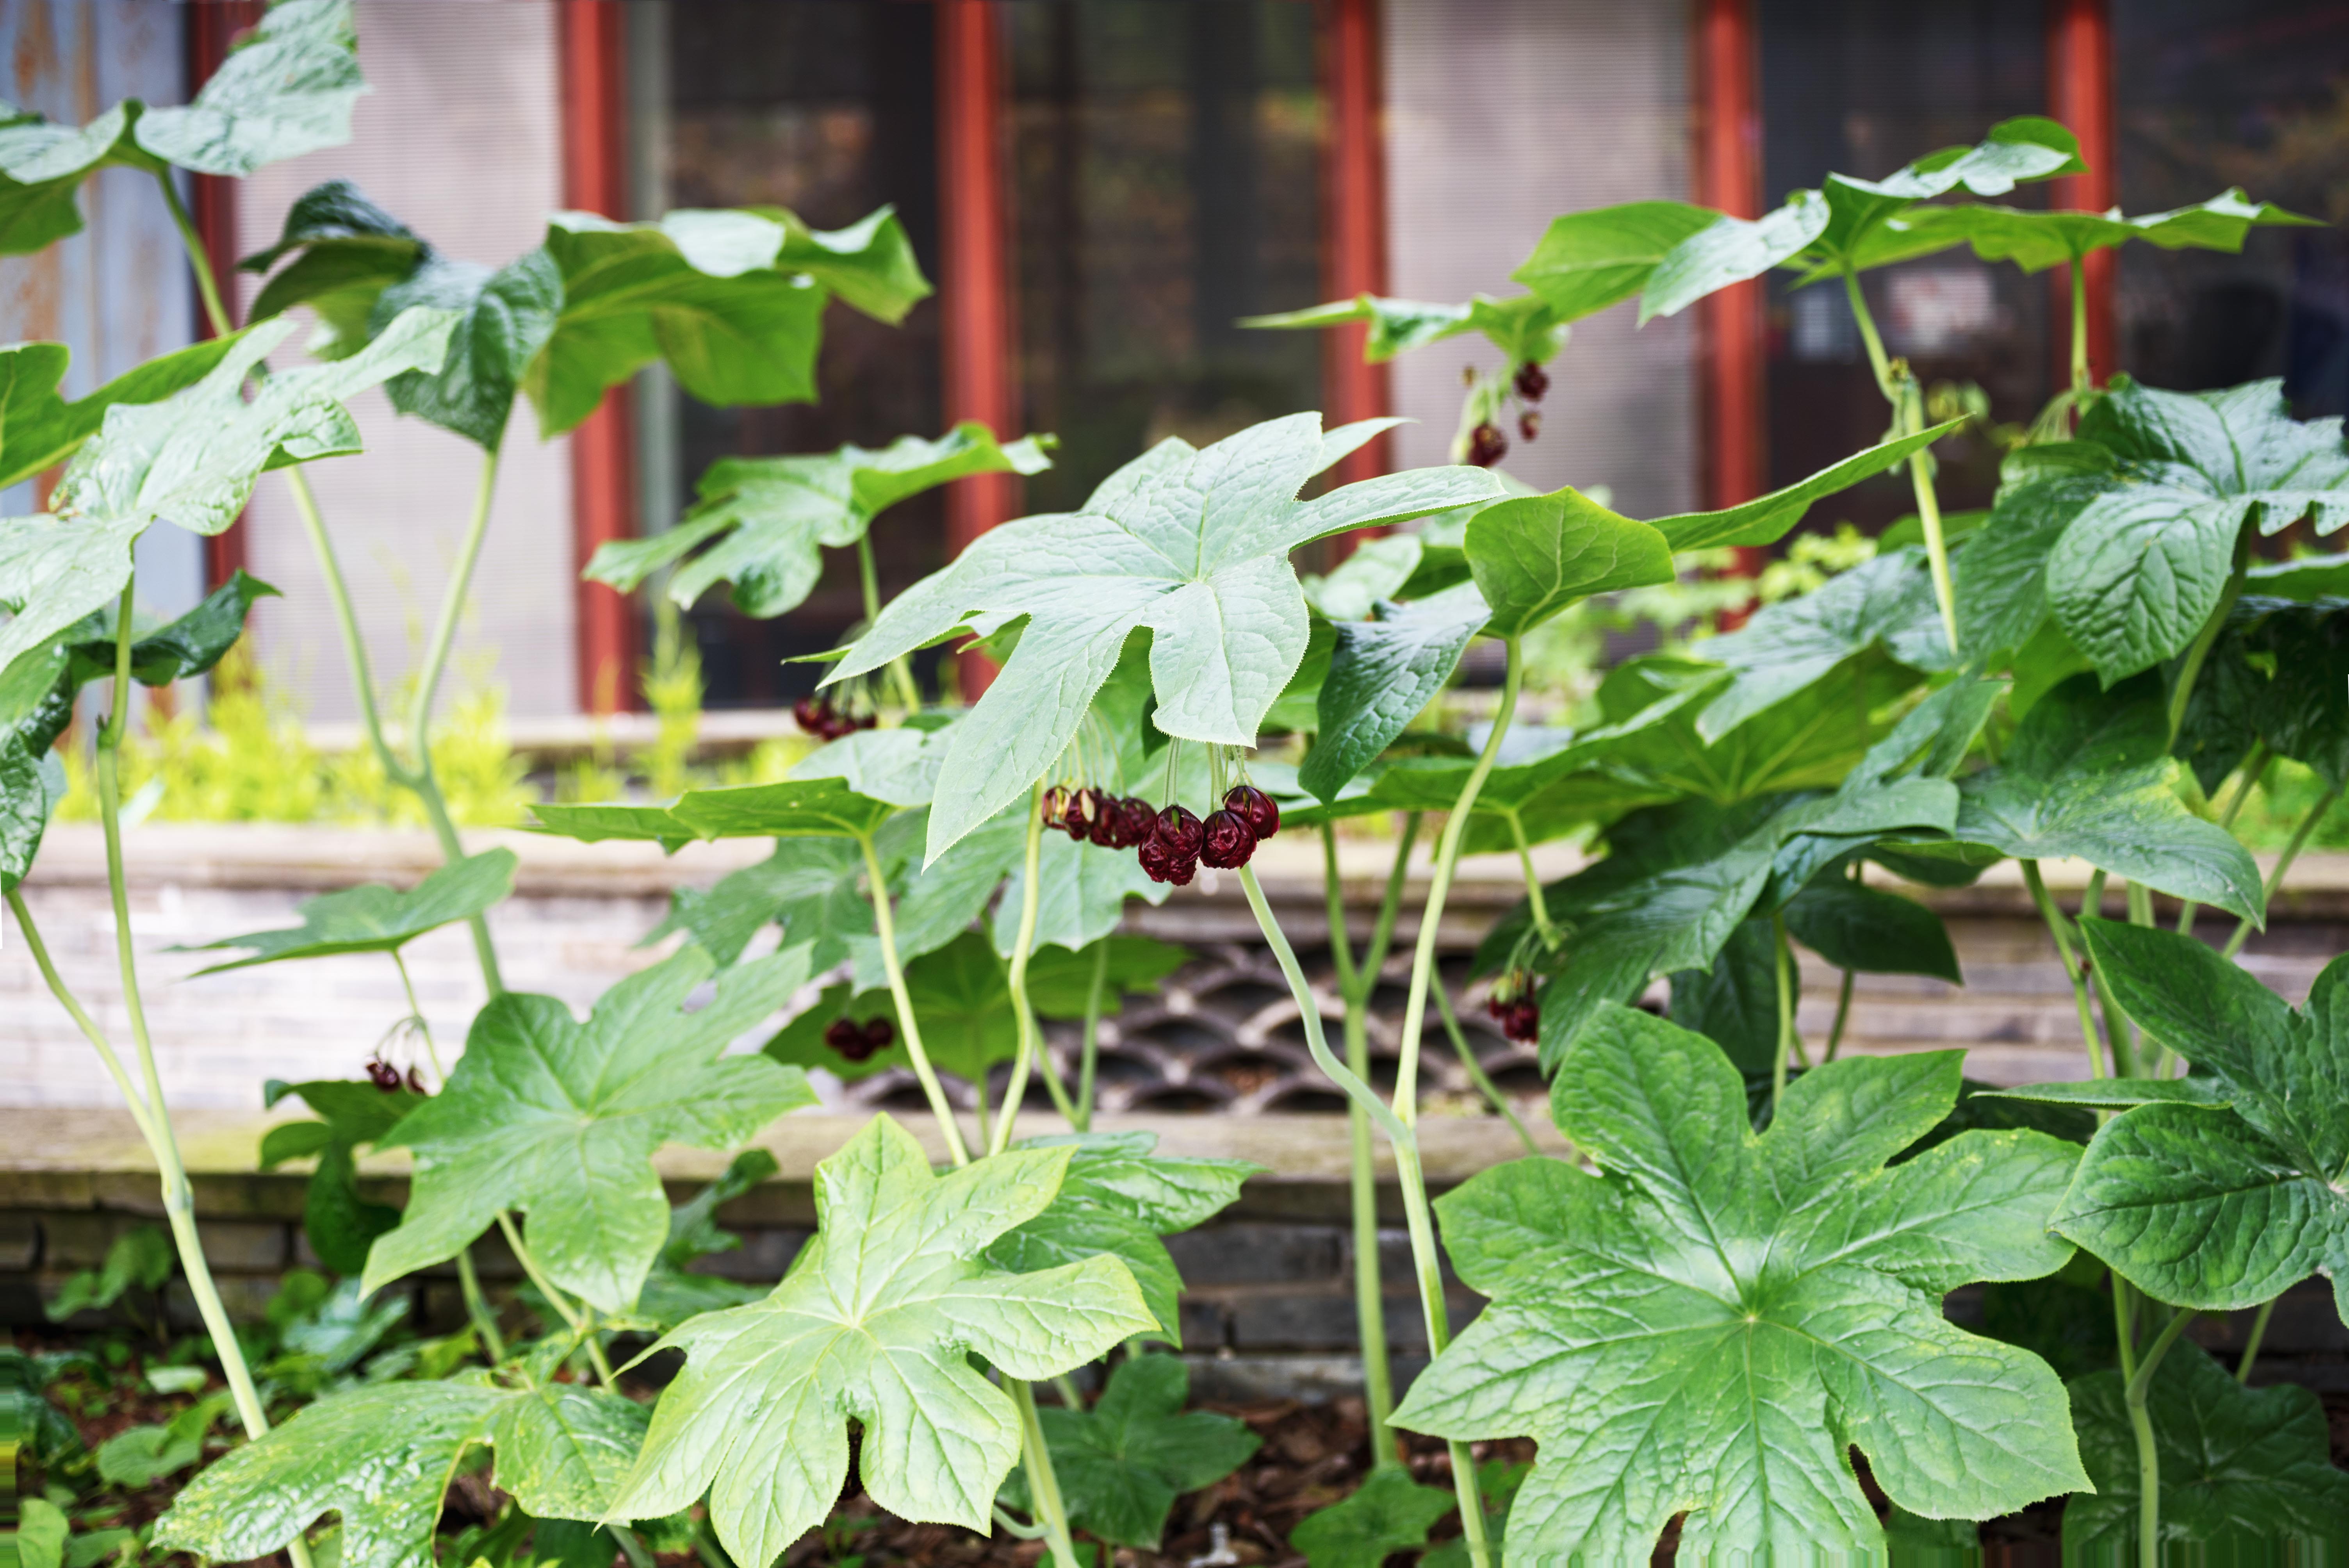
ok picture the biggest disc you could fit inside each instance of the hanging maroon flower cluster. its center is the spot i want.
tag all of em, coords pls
(820, 719)
(1487, 444)
(859, 1042)
(1519, 1014)
(1096, 816)
(385, 1077)
(1173, 842)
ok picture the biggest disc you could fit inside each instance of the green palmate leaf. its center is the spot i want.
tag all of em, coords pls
(671, 1293)
(347, 252)
(2279, 672)
(38, 428)
(2142, 567)
(1192, 545)
(42, 1533)
(55, 573)
(1708, 1323)
(1528, 329)
(812, 888)
(1121, 1464)
(1588, 260)
(2221, 1203)
(795, 808)
(877, 1324)
(341, 1225)
(763, 524)
(898, 767)
(1788, 646)
(141, 1256)
(2122, 1093)
(1767, 519)
(2001, 576)
(1119, 1198)
(733, 300)
(1377, 569)
(286, 88)
(1389, 1513)
(1728, 251)
(138, 1457)
(1535, 556)
(381, 1457)
(2245, 1473)
(561, 1119)
(2037, 240)
(1854, 926)
(373, 918)
(1081, 893)
(504, 319)
(1382, 672)
(2087, 776)
(1734, 1004)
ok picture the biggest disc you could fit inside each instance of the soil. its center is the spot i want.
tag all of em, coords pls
(1313, 1454)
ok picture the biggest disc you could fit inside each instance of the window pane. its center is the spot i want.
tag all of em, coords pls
(825, 107)
(1859, 88)
(1165, 171)
(2254, 93)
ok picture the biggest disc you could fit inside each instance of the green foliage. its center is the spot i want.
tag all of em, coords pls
(558, 1119)
(381, 1457)
(1389, 1513)
(1123, 1464)
(875, 1324)
(1528, 330)
(372, 918)
(340, 1223)
(141, 1256)
(1708, 1322)
(2247, 1474)
(2221, 1198)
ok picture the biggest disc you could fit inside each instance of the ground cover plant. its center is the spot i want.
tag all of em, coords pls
(1732, 1287)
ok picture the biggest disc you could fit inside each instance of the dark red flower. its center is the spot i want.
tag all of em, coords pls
(880, 1033)
(1056, 806)
(1532, 381)
(1136, 817)
(1486, 445)
(1259, 809)
(416, 1081)
(383, 1075)
(1522, 1022)
(844, 1035)
(1226, 842)
(859, 1042)
(1529, 423)
(1180, 831)
(814, 713)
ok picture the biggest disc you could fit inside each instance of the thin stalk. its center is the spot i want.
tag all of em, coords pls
(1900, 390)
(1089, 1054)
(1043, 1487)
(2148, 1457)
(1535, 899)
(884, 928)
(1030, 895)
(901, 673)
(2199, 649)
(82, 1020)
(576, 1317)
(2058, 927)
(416, 1011)
(2254, 769)
(2284, 864)
(2079, 325)
(1843, 1016)
(631, 1547)
(2119, 1033)
(1781, 962)
(1476, 1069)
(2252, 1346)
(477, 1306)
(199, 259)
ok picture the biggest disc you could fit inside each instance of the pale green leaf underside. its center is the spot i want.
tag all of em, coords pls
(377, 919)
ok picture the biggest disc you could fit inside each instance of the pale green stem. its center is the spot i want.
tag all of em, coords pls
(1535, 898)
(2119, 1033)
(1089, 1055)
(2079, 323)
(2284, 864)
(416, 1011)
(1843, 1016)
(2207, 638)
(884, 928)
(1043, 1487)
(1476, 1069)
(452, 610)
(82, 1020)
(901, 672)
(1900, 390)
(199, 259)
(2148, 1457)
(631, 1548)
(2252, 1346)
(477, 1306)
(2254, 769)
(2059, 928)
(1782, 963)
(1025, 1016)
(577, 1317)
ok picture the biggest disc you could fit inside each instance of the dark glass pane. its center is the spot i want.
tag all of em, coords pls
(827, 108)
(2254, 93)
(1859, 87)
(1165, 181)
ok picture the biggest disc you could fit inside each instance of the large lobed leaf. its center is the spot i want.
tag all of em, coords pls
(876, 1324)
(1192, 545)
(1382, 672)
(2223, 1199)
(1708, 1322)
(381, 1457)
(40, 428)
(372, 918)
(1121, 1464)
(559, 1119)
(2037, 240)
(763, 524)
(1527, 329)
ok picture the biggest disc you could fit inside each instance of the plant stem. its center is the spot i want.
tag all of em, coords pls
(1900, 390)
(576, 1317)
(2284, 864)
(901, 672)
(2148, 1457)
(2252, 1346)
(1043, 1487)
(2254, 769)
(1030, 893)
(1089, 1054)
(631, 1548)
(885, 929)
(1535, 899)
(477, 1306)
(1781, 964)
(2079, 323)
(82, 1020)
(199, 258)
(2204, 640)
(1843, 1016)
(1476, 1069)
(2057, 927)
(2119, 1034)
(416, 1011)
(452, 609)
